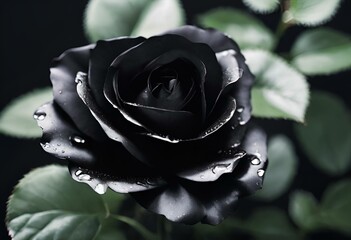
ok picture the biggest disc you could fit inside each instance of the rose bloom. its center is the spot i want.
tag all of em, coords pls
(165, 119)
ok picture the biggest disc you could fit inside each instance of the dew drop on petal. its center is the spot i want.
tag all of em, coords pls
(220, 168)
(46, 145)
(260, 172)
(100, 188)
(255, 161)
(84, 177)
(77, 139)
(38, 115)
(240, 109)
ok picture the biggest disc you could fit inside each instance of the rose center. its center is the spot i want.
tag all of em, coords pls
(163, 81)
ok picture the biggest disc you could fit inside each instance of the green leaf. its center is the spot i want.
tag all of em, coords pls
(113, 18)
(336, 206)
(17, 118)
(245, 29)
(326, 138)
(262, 6)
(48, 204)
(322, 51)
(268, 223)
(311, 12)
(160, 16)
(304, 210)
(281, 168)
(279, 91)
(110, 231)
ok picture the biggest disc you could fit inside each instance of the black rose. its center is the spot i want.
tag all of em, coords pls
(164, 119)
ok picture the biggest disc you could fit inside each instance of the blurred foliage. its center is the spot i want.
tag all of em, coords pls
(326, 138)
(108, 18)
(17, 118)
(248, 31)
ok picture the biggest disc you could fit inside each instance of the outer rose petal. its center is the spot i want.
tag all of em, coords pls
(101, 58)
(62, 139)
(63, 73)
(219, 42)
(211, 202)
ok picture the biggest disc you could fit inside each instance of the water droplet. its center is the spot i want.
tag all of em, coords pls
(47, 145)
(220, 168)
(240, 109)
(78, 172)
(63, 151)
(255, 161)
(60, 92)
(242, 122)
(77, 139)
(219, 151)
(100, 188)
(84, 177)
(233, 128)
(39, 115)
(260, 172)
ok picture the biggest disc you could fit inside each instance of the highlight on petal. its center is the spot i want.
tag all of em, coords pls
(208, 172)
(107, 123)
(213, 127)
(60, 138)
(100, 182)
(250, 173)
(101, 57)
(230, 67)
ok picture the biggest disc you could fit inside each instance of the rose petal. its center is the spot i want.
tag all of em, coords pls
(250, 172)
(220, 42)
(62, 74)
(153, 118)
(176, 123)
(63, 140)
(208, 172)
(136, 59)
(101, 58)
(173, 201)
(177, 100)
(116, 127)
(242, 93)
(227, 113)
(117, 184)
(57, 134)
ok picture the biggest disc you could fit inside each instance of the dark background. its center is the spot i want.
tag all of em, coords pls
(33, 32)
